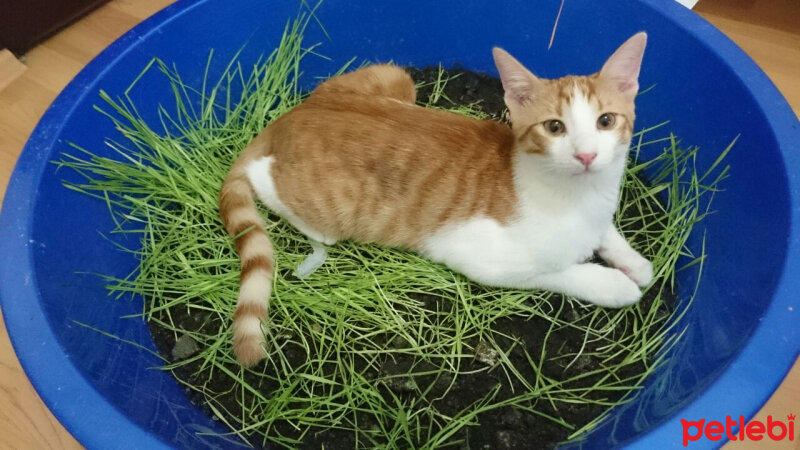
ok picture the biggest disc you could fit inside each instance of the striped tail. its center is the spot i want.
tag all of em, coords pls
(238, 212)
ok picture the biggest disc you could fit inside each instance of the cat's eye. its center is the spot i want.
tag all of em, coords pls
(606, 121)
(554, 127)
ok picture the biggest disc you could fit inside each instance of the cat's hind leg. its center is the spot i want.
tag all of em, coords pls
(260, 177)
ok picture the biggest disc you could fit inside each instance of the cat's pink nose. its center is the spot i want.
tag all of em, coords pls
(586, 158)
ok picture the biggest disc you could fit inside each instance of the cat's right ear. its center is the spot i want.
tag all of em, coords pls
(519, 83)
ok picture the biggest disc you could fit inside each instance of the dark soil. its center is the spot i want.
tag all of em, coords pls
(485, 93)
(503, 428)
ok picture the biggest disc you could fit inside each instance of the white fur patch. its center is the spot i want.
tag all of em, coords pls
(513, 255)
(582, 118)
(482, 249)
(547, 253)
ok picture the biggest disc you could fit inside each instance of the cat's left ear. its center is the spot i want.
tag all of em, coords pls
(519, 84)
(622, 68)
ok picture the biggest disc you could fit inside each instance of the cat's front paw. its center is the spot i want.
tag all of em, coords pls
(616, 251)
(614, 290)
(639, 269)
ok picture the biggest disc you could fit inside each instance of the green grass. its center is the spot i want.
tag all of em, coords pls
(332, 334)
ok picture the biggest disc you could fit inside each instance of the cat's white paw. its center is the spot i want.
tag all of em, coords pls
(629, 262)
(638, 269)
(613, 289)
(616, 251)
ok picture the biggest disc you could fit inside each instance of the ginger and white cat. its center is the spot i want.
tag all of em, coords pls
(522, 207)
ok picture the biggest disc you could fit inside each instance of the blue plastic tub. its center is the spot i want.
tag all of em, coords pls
(743, 328)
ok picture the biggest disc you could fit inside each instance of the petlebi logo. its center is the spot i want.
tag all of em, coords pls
(738, 430)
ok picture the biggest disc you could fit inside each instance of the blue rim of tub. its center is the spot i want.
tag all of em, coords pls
(765, 358)
(774, 345)
(48, 367)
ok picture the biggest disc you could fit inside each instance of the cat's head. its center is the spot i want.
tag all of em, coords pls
(578, 124)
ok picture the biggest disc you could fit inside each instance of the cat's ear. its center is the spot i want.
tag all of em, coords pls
(519, 84)
(622, 68)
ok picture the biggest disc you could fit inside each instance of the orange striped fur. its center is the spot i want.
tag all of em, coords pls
(238, 212)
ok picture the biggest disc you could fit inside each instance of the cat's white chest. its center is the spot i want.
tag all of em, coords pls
(557, 241)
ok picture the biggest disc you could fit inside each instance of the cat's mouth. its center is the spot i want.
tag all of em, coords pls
(585, 171)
